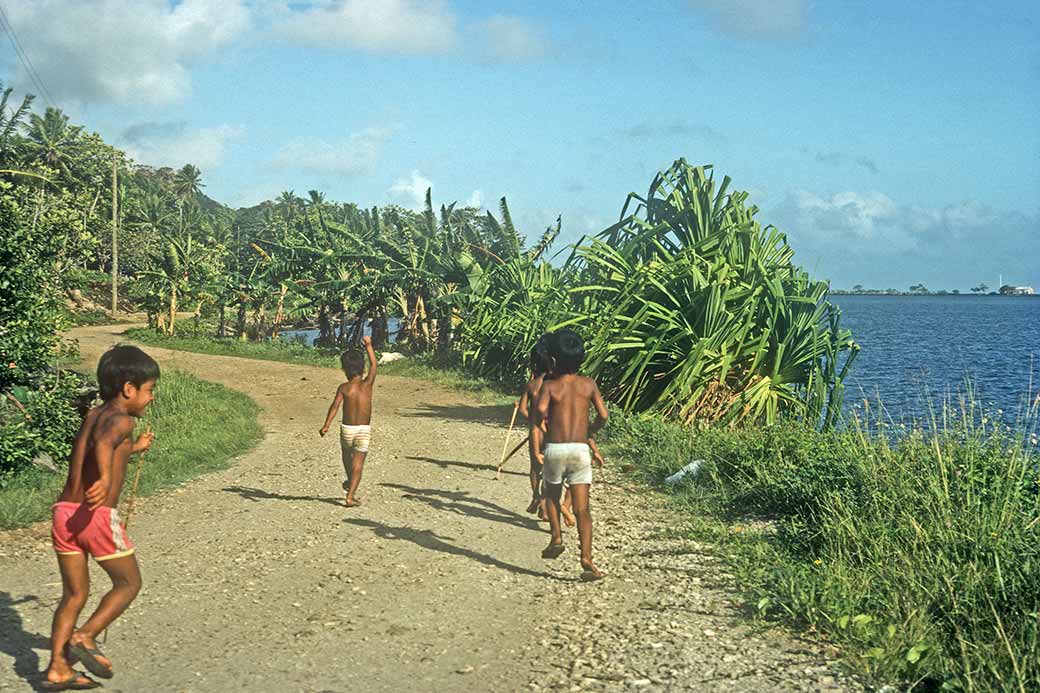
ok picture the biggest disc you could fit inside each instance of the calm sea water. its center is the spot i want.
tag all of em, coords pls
(917, 348)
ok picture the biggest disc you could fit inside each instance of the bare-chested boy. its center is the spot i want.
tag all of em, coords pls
(540, 366)
(563, 403)
(355, 433)
(85, 520)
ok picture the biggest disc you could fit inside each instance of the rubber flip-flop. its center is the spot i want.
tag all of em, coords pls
(88, 657)
(553, 551)
(72, 683)
(591, 576)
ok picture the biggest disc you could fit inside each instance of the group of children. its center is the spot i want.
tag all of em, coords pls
(85, 519)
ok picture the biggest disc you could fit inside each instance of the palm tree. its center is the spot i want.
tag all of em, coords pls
(187, 182)
(51, 141)
(10, 121)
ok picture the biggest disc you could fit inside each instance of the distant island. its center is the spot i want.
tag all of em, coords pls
(922, 290)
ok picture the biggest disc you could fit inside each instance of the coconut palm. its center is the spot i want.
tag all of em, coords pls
(51, 141)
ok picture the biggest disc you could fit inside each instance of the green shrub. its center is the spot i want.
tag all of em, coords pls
(37, 420)
(30, 312)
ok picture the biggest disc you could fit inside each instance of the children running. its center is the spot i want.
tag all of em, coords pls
(356, 430)
(85, 520)
(563, 404)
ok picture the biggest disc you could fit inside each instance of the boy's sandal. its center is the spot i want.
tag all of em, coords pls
(88, 657)
(76, 681)
(553, 551)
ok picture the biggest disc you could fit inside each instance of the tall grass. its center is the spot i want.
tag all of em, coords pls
(920, 554)
(199, 427)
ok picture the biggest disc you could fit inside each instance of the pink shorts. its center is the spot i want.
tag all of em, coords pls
(75, 528)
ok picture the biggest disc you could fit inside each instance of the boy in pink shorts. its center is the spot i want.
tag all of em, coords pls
(85, 521)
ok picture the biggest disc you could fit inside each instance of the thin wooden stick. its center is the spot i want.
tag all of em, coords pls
(505, 443)
(514, 451)
(133, 490)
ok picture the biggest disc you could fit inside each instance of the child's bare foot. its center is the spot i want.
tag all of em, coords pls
(591, 573)
(568, 516)
(553, 550)
(353, 502)
(85, 650)
(72, 680)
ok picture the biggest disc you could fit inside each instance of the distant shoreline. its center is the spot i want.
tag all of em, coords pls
(933, 294)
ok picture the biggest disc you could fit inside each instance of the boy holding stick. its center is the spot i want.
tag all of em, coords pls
(85, 521)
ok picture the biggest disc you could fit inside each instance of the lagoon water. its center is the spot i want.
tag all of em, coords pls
(921, 348)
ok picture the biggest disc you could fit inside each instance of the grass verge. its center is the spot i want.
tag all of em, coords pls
(920, 556)
(199, 427)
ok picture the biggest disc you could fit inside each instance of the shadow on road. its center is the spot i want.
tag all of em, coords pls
(444, 464)
(461, 503)
(19, 644)
(492, 415)
(428, 539)
(258, 494)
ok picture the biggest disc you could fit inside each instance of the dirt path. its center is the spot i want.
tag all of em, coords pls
(257, 578)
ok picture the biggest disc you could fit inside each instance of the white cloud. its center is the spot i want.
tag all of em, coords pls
(124, 51)
(356, 154)
(173, 144)
(871, 239)
(410, 191)
(476, 199)
(756, 17)
(512, 39)
(376, 26)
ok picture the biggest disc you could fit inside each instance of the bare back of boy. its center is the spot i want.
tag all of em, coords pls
(569, 397)
(357, 402)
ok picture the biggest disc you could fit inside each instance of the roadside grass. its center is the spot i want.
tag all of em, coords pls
(199, 427)
(919, 554)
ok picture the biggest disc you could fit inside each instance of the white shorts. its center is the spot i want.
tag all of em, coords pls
(354, 438)
(570, 461)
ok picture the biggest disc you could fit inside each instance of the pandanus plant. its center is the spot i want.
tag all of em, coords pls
(694, 310)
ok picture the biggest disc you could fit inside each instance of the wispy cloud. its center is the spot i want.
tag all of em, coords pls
(134, 52)
(678, 128)
(356, 154)
(841, 159)
(382, 26)
(172, 143)
(512, 39)
(410, 190)
(756, 18)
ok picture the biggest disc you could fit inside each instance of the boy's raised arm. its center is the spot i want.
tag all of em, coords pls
(117, 430)
(333, 408)
(371, 378)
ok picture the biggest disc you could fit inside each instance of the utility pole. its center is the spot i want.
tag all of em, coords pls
(115, 240)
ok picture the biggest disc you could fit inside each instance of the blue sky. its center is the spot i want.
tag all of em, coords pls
(894, 142)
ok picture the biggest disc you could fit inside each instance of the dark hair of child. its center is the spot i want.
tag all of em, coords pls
(541, 361)
(569, 351)
(124, 364)
(353, 362)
